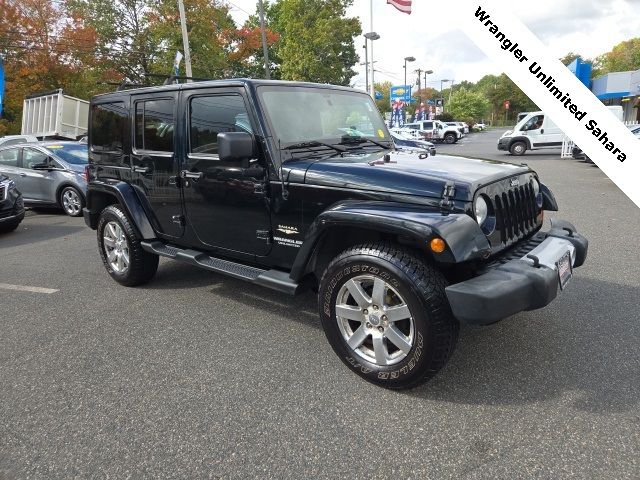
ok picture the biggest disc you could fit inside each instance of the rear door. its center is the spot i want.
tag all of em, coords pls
(225, 203)
(154, 165)
(9, 158)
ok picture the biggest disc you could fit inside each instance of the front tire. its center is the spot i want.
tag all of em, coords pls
(121, 251)
(71, 201)
(450, 138)
(385, 313)
(518, 148)
(6, 227)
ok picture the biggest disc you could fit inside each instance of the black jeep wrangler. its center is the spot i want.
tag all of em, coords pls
(293, 186)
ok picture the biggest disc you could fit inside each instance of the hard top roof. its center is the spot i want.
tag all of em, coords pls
(233, 82)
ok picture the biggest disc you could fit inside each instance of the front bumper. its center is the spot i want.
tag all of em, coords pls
(13, 213)
(503, 144)
(521, 283)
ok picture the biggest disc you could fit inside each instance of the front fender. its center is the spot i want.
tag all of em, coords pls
(465, 240)
(126, 197)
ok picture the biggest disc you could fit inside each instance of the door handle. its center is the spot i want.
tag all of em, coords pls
(140, 169)
(193, 175)
(542, 131)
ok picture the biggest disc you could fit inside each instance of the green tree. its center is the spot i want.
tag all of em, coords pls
(316, 40)
(569, 57)
(499, 88)
(384, 104)
(623, 57)
(467, 105)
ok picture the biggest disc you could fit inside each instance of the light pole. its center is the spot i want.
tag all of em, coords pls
(407, 59)
(265, 49)
(372, 36)
(185, 39)
(366, 64)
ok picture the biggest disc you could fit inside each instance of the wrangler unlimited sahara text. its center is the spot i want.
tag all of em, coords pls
(293, 186)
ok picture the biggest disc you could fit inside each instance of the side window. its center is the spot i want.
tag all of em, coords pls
(9, 157)
(210, 115)
(108, 121)
(31, 157)
(534, 123)
(154, 125)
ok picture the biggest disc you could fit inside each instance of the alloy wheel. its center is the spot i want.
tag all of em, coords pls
(116, 247)
(71, 202)
(374, 320)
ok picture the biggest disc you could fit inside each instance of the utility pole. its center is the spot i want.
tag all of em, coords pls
(185, 39)
(366, 63)
(265, 50)
(419, 71)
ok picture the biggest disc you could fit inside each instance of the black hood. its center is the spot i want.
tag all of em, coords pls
(405, 173)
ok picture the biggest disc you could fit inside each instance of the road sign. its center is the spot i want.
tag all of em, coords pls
(401, 92)
(507, 104)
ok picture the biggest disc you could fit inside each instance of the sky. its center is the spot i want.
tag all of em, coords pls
(587, 27)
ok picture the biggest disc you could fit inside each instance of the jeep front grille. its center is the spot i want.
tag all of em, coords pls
(513, 203)
(516, 212)
(3, 192)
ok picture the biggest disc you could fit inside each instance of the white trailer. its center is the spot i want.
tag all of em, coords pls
(54, 115)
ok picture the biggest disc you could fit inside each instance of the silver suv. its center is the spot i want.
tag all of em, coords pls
(48, 174)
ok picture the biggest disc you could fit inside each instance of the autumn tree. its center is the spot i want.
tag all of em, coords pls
(622, 58)
(468, 105)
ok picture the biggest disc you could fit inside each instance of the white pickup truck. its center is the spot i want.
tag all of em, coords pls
(436, 131)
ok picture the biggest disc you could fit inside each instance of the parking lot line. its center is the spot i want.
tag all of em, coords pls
(25, 288)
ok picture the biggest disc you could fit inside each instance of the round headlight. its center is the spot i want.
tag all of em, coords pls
(536, 187)
(481, 209)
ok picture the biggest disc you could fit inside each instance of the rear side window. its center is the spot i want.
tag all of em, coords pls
(108, 122)
(9, 157)
(211, 115)
(154, 125)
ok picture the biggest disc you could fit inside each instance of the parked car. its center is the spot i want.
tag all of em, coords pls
(11, 205)
(480, 126)
(437, 131)
(48, 173)
(578, 154)
(400, 249)
(462, 127)
(16, 139)
(404, 141)
(534, 132)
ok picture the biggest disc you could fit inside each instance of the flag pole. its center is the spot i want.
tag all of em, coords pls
(372, 92)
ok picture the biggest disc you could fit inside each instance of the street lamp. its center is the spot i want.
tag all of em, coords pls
(407, 59)
(371, 36)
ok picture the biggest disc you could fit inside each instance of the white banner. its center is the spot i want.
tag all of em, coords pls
(573, 107)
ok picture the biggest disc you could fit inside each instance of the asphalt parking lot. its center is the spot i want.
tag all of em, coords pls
(198, 375)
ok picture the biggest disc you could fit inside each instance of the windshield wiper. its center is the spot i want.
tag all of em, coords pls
(315, 143)
(361, 140)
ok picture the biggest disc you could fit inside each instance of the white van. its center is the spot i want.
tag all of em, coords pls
(533, 132)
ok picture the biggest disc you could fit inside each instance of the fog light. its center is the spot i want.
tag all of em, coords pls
(437, 245)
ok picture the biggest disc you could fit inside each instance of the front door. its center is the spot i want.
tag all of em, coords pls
(37, 185)
(225, 202)
(153, 160)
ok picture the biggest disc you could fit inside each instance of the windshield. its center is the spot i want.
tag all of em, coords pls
(303, 114)
(74, 154)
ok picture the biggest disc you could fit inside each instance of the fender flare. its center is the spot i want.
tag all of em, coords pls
(465, 240)
(126, 196)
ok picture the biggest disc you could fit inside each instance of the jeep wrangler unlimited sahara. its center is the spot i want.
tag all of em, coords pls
(293, 186)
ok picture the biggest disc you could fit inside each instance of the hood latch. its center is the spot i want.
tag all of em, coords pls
(448, 194)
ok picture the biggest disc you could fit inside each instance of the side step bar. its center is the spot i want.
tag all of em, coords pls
(274, 279)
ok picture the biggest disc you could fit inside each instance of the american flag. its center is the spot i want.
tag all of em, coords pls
(402, 5)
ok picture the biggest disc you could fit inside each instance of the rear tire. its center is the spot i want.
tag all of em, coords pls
(121, 251)
(518, 148)
(386, 315)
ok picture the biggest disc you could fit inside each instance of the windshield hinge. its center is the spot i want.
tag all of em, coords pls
(448, 194)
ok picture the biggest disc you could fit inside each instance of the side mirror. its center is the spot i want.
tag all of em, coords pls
(42, 166)
(235, 146)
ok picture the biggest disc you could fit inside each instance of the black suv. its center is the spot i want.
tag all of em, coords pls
(11, 205)
(294, 185)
